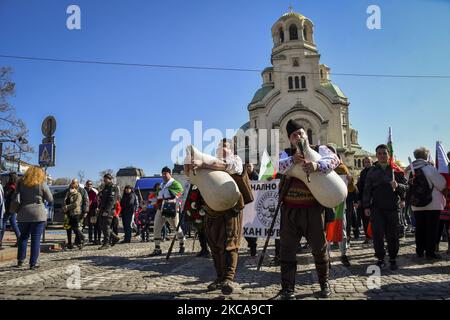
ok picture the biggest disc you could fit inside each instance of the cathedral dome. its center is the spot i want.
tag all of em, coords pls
(289, 15)
(292, 26)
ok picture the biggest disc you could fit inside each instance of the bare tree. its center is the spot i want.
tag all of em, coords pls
(81, 176)
(12, 130)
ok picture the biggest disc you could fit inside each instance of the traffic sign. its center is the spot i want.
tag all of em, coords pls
(47, 155)
(49, 126)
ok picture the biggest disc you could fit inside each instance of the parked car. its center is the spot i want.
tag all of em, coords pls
(56, 216)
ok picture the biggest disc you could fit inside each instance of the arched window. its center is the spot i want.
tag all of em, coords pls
(309, 132)
(291, 85)
(247, 151)
(356, 163)
(281, 34)
(321, 74)
(297, 83)
(293, 33)
(270, 77)
(303, 82)
(359, 163)
(305, 33)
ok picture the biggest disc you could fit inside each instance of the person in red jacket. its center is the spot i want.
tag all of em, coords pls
(115, 221)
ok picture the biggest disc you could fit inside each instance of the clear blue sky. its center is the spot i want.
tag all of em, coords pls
(114, 116)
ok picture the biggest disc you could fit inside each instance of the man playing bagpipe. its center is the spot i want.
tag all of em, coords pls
(302, 215)
(224, 228)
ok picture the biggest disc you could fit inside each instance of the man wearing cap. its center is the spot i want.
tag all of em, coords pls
(223, 229)
(169, 204)
(302, 215)
(108, 199)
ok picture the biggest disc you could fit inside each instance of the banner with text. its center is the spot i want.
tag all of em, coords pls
(258, 215)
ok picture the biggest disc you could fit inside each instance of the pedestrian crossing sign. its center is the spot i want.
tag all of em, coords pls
(47, 155)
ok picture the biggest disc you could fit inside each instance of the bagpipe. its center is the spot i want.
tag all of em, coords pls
(328, 189)
(219, 190)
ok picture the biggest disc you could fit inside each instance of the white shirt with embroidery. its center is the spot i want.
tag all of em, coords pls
(234, 164)
(326, 164)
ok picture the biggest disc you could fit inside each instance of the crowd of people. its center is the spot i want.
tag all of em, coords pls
(383, 204)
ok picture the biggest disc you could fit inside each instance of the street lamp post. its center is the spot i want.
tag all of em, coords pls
(20, 158)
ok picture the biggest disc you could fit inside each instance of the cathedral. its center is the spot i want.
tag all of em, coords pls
(297, 86)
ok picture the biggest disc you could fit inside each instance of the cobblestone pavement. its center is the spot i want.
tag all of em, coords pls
(127, 272)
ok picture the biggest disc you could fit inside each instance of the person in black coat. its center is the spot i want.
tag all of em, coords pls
(129, 204)
(383, 191)
(109, 195)
(367, 163)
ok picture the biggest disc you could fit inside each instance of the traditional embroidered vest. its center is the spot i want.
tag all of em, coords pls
(298, 195)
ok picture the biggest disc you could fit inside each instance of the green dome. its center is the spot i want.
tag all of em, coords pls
(261, 93)
(334, 89)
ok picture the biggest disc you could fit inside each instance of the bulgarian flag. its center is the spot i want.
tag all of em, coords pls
(390, 145)
(176, 189)
(267, 169)
(443, 165)
(335, 228)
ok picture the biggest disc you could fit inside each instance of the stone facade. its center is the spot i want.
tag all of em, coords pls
(297, 86)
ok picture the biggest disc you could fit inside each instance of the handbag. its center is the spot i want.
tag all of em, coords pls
(93, 219)
(169, 209)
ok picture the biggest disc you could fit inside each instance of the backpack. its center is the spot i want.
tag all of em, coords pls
(420, 193)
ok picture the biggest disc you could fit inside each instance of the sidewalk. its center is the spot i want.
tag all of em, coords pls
(55, 237)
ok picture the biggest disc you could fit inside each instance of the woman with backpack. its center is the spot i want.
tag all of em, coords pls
(426, 186)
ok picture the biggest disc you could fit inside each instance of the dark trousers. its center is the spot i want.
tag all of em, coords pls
(351, 221)
(145, 232)
(251, 242)
(106, 229)
(115, 225)
(74, 222)
(223, 234)
(35, 229)
(295, 224)
(126, 221)
(203, 241)
(95, 229)
(444, 225)
(427, 223)
(385, 224)
(277, 248)
(364, 219)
